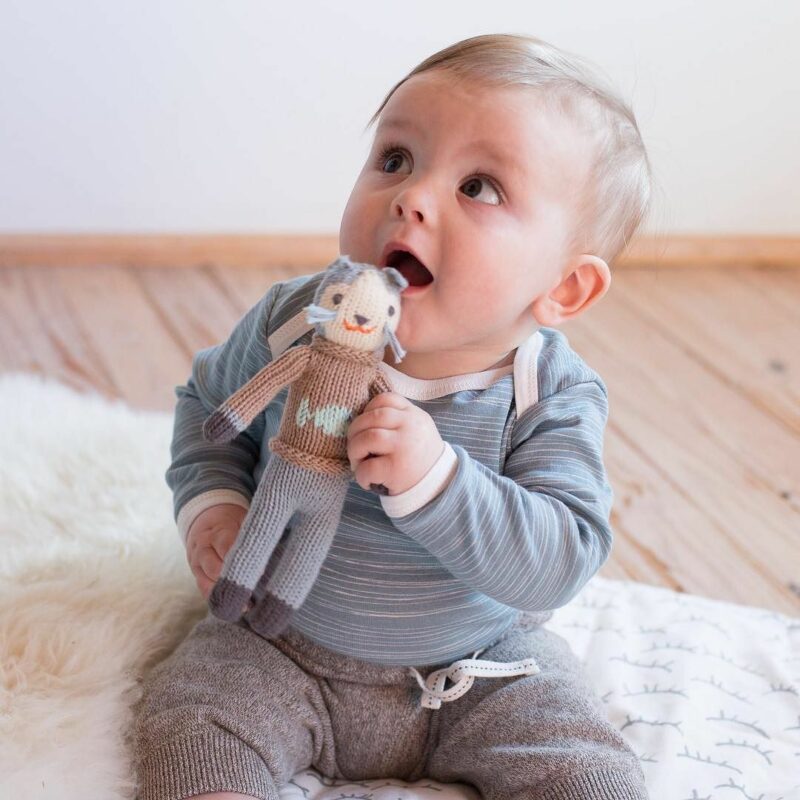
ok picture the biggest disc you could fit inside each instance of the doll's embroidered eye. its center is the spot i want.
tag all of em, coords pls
(391, 311)
(337, 298)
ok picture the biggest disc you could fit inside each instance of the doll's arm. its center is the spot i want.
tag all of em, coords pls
(241, 408)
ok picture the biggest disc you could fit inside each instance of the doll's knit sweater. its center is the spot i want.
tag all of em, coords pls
(313, 429)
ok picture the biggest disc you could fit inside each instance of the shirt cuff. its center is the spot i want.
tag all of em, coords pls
(429, 486)
(190, 510)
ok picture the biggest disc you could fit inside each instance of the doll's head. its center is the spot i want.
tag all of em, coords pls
(358, 305)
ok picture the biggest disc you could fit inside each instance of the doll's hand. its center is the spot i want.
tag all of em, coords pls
(219, 426)
(211, 535)
(392, 442)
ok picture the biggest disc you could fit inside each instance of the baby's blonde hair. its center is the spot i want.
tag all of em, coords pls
(620, 177)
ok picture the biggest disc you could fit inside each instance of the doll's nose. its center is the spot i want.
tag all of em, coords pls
(361, 320)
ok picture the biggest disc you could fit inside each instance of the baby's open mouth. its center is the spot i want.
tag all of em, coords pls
(410, 267)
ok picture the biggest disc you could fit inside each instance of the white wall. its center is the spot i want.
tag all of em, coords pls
(247, 116)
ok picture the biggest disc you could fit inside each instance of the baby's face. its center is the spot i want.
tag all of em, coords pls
(482, 184)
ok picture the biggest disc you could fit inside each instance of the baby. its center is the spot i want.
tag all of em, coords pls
(503, 180)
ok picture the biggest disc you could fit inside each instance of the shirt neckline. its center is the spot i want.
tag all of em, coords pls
(430, 388)
(524, 368)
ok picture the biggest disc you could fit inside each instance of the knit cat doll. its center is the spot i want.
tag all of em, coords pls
(355, 313)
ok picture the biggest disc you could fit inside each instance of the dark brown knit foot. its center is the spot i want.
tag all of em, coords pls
(378, 488)
(228, 600)
(270, 617)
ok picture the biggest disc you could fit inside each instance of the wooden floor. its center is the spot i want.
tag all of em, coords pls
(702, 367)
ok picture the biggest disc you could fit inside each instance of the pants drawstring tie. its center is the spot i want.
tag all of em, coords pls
(463, 673)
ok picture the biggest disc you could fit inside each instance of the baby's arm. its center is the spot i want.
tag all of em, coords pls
(532, 537)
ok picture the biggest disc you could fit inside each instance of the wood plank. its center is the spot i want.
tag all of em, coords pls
(666, 539)
(168, 251)
(245, 287)
(692, 251)
(310, 250)
(732, 332)
(79, 364)
(717, 409)
(23, 345)
(732, 463)
(133, 339)
(780, 288)
(39, 332)
(191, 306)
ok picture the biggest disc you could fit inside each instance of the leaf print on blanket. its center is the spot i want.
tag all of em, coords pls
(331, 418)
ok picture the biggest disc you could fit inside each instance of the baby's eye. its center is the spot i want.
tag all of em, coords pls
(473, 189)
(394, 156)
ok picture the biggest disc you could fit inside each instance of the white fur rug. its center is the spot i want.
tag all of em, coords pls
(95, 589)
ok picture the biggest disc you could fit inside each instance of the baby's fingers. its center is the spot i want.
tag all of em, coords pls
(208, 560)
(206, 566)
(204, 583)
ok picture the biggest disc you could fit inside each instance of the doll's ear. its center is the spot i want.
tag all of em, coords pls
(394, 278)
(345, 264)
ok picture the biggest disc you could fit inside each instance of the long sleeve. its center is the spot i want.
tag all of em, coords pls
(205, 473)
(533, 536)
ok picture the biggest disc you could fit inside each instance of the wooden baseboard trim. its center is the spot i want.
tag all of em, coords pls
(316, 250)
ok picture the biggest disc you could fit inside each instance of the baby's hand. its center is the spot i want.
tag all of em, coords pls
(392, 442)
(210, 536)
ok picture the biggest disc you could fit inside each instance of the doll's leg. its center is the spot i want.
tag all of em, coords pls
(270, 510)
(299, 565)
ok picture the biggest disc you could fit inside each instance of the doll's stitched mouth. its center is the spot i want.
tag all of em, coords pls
(410, 267)
(359, 328)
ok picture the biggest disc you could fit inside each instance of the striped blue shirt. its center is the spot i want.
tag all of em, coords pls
(513, 517)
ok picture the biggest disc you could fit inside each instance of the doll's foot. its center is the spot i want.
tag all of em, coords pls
(270, 617)
(228, 600)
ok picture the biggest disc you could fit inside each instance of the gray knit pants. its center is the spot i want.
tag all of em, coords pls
(230, 710)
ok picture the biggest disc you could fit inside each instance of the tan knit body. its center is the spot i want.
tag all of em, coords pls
(336, 385)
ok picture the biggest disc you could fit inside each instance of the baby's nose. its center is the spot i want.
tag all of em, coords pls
(361, 320)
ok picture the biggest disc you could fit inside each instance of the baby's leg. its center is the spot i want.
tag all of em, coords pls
(228, 713)
(535, 736)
